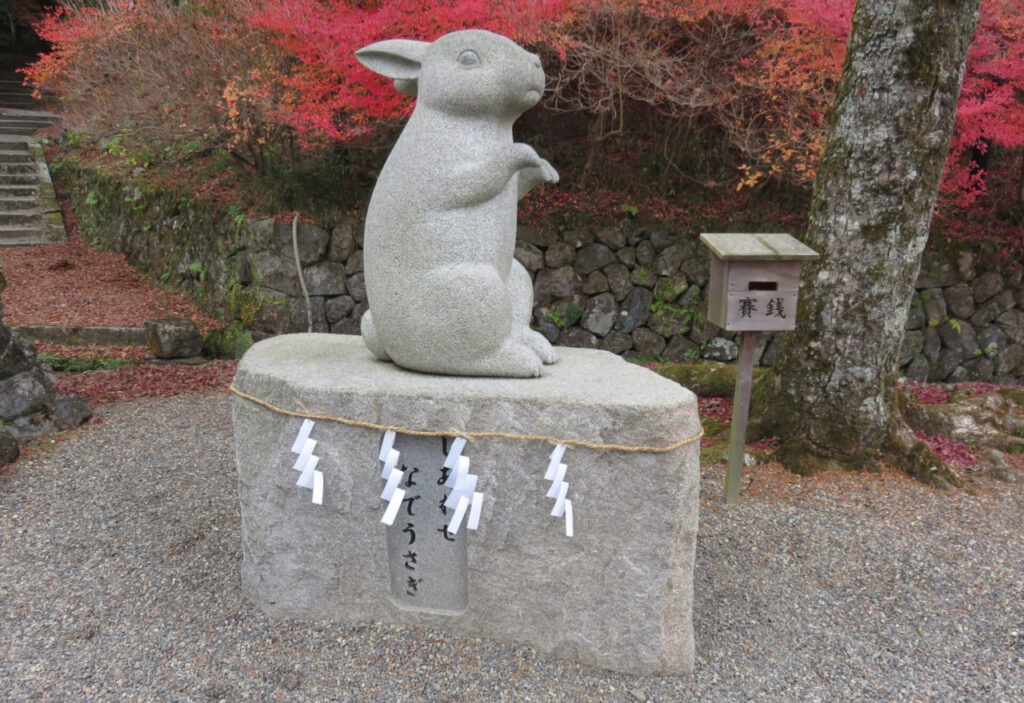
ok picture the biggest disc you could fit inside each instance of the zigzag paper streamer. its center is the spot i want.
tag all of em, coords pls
(559, 488)
(393, 505)
(464, 495)
(307, 461)
(392, 494)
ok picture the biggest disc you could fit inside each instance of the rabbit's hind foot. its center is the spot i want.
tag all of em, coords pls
(370, 338)
(540, 345)
(513, 360)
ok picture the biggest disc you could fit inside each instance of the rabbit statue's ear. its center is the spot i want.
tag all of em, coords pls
(407, 86)
(400, 59)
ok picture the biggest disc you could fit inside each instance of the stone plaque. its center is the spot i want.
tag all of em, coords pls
(427, 563)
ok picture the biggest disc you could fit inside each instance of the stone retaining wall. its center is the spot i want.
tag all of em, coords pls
(966, 322)
(629, 290)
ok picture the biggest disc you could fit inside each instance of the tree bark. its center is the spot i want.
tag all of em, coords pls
(832, 395)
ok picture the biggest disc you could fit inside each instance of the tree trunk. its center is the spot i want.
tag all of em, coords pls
(832, 396)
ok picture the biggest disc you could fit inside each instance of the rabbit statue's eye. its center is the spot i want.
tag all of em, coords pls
(469, 58)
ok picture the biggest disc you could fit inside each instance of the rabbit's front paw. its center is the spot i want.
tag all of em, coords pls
(547, 172)
(542, 173)
(523, 156)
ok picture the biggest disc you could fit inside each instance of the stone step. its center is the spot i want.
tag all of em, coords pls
(18, 202)
(18, 178)
(32, 114)
(100, 336)
(18, 125)
(8, 188)
(21, 236)
(18, 169)
(20, 217)
(14, 156)
(28, 116)
(19, 131)
(19, 191)
(13, 122)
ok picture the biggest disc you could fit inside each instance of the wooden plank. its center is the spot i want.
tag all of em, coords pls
(740, 411)
(766, 311)
(716, 291)
(762, 247)
(784, 274)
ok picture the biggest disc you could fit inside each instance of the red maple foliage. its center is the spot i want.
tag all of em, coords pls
(765, 71)
(990, 112)
(331, 93)
(164, 77)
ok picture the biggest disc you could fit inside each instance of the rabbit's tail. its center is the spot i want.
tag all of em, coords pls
(370, 338)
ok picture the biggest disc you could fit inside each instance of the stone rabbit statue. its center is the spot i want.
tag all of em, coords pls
(445, 294)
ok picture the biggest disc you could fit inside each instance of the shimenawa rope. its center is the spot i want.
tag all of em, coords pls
(460, 433)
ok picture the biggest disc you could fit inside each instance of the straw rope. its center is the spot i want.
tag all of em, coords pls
(461, 433)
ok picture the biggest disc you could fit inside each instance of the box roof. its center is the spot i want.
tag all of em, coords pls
(757, 247)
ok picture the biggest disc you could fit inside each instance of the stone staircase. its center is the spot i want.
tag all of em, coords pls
(29, 212)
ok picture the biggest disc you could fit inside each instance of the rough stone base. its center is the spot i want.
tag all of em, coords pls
(618, 594)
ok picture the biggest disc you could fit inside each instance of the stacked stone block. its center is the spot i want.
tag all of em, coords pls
(965, 323)
(30, 406)
(631, 290)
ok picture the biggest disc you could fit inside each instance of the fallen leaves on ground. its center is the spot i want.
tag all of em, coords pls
(940, 393)
(956, 454)
(72, 284)
(715, 409)
(147, 381)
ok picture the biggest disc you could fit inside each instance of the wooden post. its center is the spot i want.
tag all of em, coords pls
(753, 288)
(740, 410)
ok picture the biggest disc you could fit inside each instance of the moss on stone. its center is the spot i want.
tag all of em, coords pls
(918, 460)
(708, 379)
(231, 342)
(1016, 395)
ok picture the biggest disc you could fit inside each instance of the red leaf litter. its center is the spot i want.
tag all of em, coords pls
(147, 381)
(955, 454)
(72, 284)
(715, 409)
(939, 394)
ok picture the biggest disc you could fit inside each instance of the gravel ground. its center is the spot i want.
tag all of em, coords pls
(119, 580)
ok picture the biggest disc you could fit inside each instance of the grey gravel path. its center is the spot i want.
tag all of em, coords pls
(119, 580)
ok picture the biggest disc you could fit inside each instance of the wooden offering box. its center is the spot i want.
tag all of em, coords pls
(754, 280)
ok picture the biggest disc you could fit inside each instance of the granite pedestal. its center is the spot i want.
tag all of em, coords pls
(618, 594)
